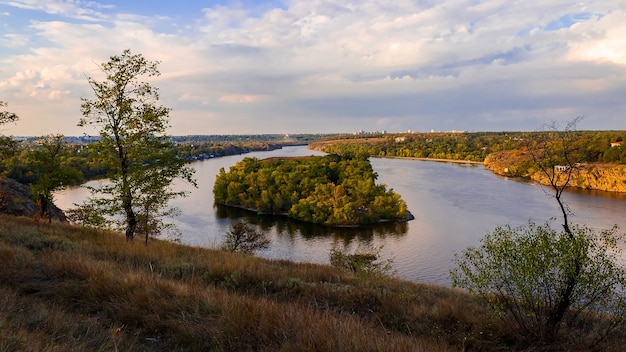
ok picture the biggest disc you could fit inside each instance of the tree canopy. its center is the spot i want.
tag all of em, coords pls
(133, 143)
(327, 190)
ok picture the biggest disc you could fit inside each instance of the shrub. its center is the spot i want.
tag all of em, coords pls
(244, 238)
(538, 279)
(363, 260)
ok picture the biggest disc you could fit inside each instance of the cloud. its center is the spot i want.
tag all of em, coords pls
(240, 99)
(13, 40)
(329, 66)
(85, 10)
(600, 40)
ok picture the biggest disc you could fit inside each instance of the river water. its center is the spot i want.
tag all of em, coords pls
(454, 206)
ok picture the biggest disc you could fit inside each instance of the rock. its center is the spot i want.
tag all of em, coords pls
(16, 199)
(599, 176)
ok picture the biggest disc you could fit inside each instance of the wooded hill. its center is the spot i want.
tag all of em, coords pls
(330, 190)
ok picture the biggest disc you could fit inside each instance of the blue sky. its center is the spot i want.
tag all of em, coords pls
(317, 66)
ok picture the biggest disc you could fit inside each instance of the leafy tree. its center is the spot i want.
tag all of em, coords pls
(538, 278)
(244, 238)
(7, 145)
(525, 275)
(6, 116)
(140, 155)
(48, 161)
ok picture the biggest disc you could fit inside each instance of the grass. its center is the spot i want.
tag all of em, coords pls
(67, 288)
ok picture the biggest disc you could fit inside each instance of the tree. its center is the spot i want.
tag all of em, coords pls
(556, 158)
(51, 171)
(141, 156)
(525, 274)
(538, 278)
(6, 116)
(7, 145)
(244, 238)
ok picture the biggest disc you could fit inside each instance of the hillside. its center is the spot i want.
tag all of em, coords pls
(67, 288)
(16, 199)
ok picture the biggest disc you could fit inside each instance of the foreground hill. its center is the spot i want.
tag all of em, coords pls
(66, 288)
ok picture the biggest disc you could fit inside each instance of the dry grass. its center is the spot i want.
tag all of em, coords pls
(66, 288)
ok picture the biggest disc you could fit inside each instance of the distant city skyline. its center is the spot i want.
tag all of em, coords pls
(294, 66)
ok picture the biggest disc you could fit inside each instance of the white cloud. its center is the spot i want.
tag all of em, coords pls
(602, 40)
(470, 63)
(13, 40)
(74, 9)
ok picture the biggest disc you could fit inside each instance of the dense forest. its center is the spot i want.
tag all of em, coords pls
(16, 160)
(329, 190)
(595, 145)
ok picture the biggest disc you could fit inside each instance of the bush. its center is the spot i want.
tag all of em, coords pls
(538, 279)
(364, 260)
(244, 238)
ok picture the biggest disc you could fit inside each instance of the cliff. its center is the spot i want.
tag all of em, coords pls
(603, 177)
(600, 176)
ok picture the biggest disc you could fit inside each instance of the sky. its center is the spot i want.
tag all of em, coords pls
(324, 66)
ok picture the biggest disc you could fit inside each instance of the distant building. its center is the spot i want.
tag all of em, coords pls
(561, 167)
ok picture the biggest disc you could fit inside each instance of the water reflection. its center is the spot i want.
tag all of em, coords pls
(290, 228)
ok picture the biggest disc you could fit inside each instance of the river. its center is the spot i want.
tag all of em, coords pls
(454, 206)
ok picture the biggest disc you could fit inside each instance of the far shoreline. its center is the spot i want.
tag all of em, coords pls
(432, 159)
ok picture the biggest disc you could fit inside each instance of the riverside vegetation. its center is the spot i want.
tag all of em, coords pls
(66, 287)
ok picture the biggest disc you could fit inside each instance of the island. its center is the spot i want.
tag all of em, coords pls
(331, 190)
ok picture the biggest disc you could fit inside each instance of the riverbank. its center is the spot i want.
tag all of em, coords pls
(69, 288)
(592, 176)
(434, 159)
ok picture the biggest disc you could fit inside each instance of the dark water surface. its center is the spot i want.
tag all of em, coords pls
(454, 206)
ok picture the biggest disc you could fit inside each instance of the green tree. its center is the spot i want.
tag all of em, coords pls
(133, 142)
(525, 275)
(49, 164)
(7, 145)
(538, 278)
(6, 116)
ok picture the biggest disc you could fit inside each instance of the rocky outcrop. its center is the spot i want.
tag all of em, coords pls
(600, 176)
(603, 177)
(16, 199)
(509, 163)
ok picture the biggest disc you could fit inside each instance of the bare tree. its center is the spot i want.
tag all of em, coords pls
(556, 158)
